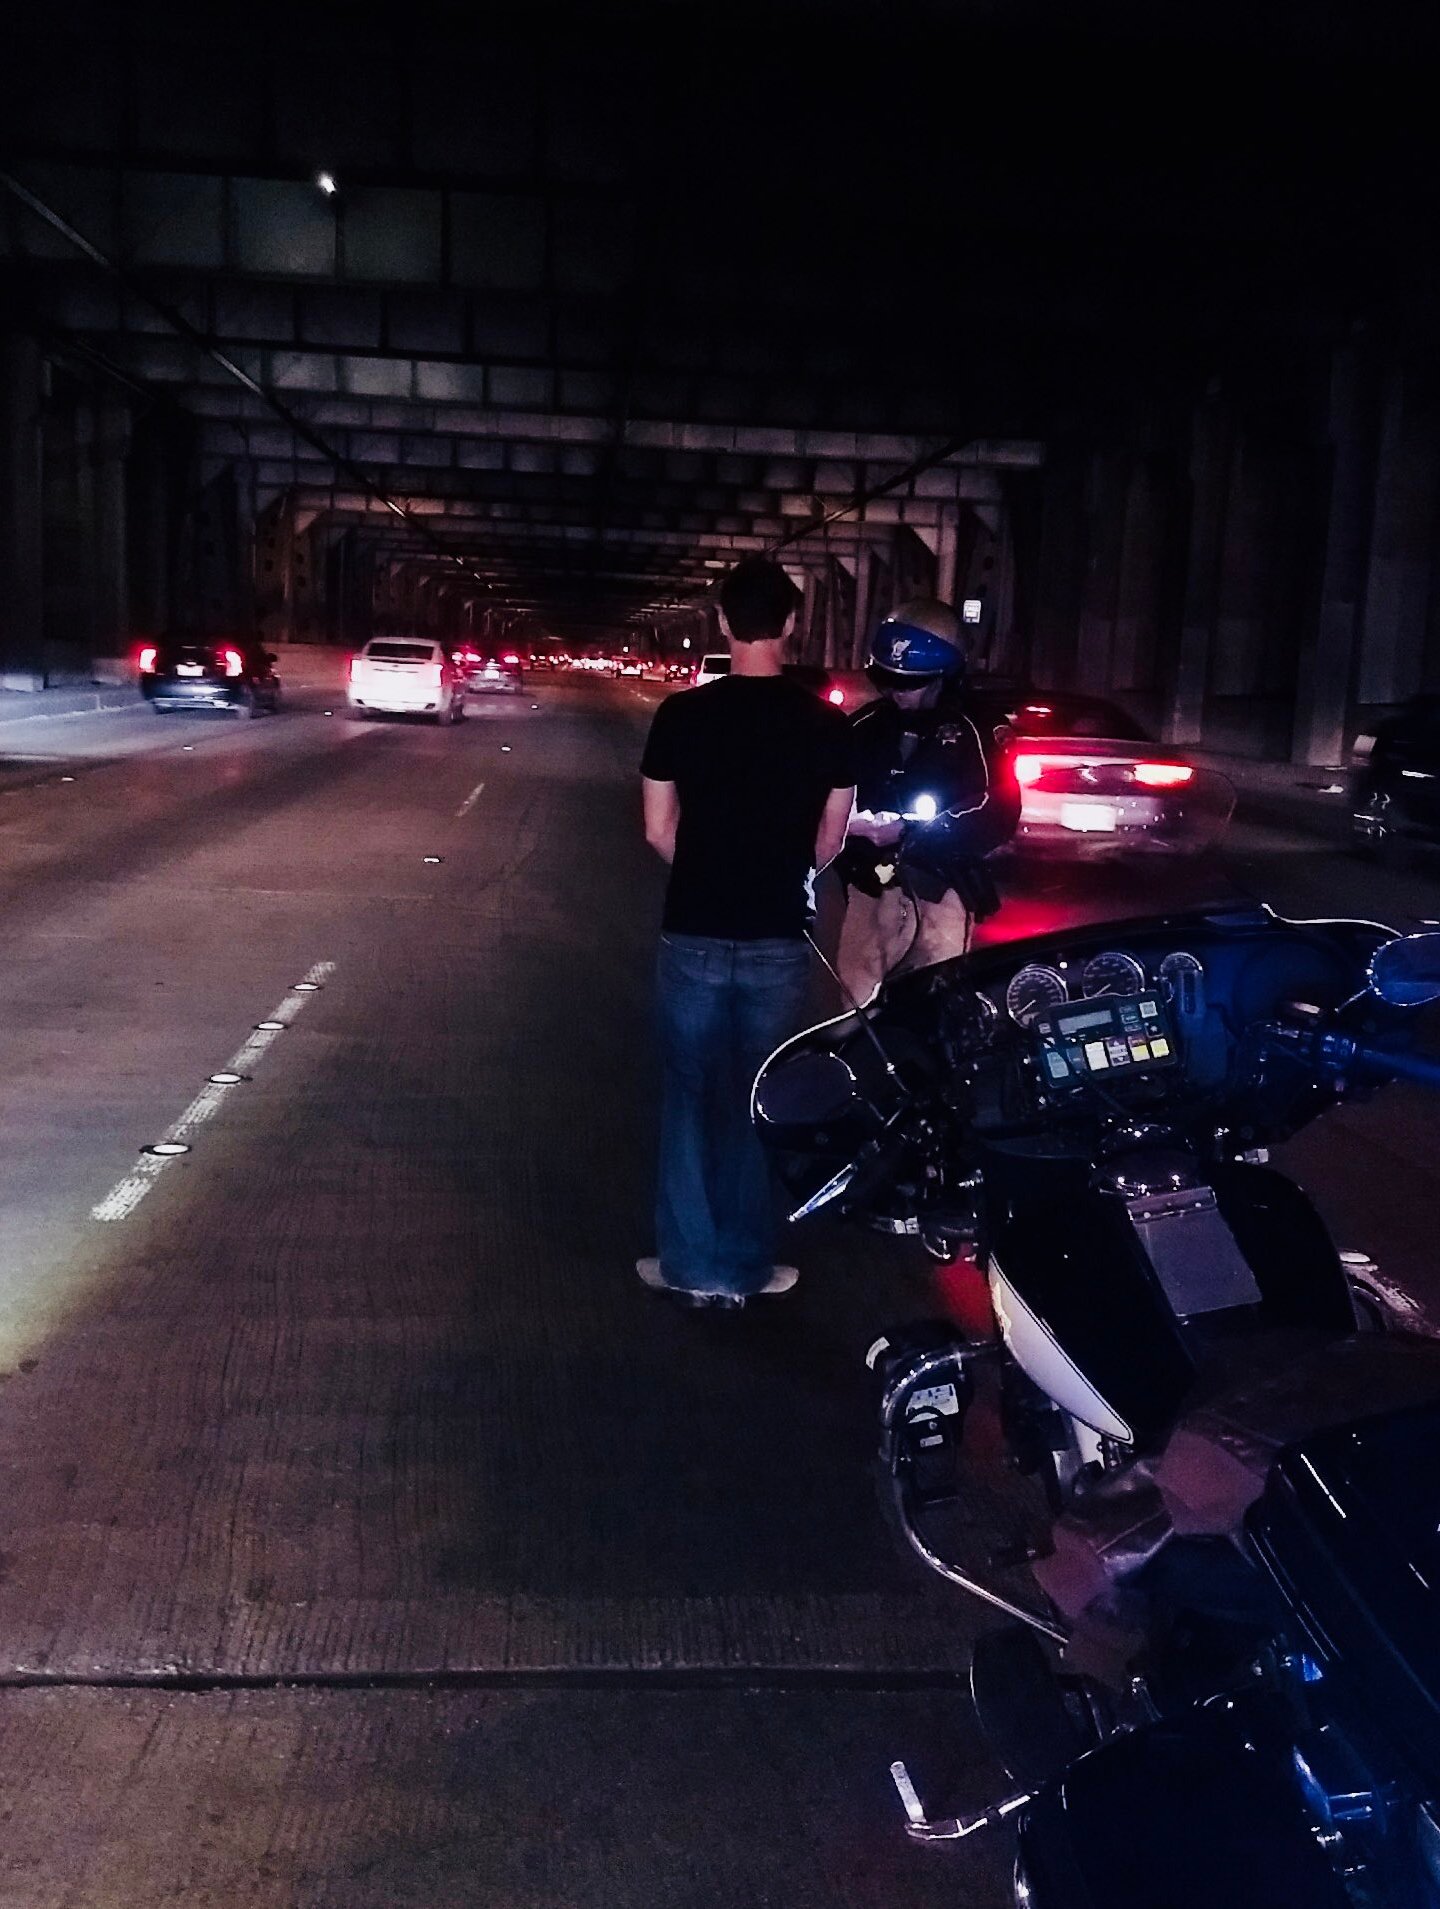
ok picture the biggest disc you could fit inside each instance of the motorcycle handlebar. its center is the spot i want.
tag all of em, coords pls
(1423, 1069)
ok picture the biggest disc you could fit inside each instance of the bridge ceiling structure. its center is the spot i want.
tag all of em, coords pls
(601, 299)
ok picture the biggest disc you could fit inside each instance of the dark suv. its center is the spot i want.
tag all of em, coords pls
(1395, 783)
(235, 673)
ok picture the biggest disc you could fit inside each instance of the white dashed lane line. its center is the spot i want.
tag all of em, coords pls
(126, 1194)
(474, 796)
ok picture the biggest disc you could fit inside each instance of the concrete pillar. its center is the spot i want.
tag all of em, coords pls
(947, 552)
(1137, 600)
(111, 570)
(808, 637)
(1059, 567)
(860, 620)
(1105, 483)
(1397, 593)
(1327, 653)
(21, 507)
(1001, 645)
(1211, 436)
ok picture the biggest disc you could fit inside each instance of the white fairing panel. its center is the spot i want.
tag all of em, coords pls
(1039, 1353)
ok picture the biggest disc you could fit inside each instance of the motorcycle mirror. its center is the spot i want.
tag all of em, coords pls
(1406, 971)
(806, 1091)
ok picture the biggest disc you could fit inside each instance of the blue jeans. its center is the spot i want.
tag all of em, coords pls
(725, 1006)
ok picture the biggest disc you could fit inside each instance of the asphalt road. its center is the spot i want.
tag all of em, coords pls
(368, 1535)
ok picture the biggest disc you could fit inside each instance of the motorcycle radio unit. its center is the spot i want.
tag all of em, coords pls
(1109, 1038)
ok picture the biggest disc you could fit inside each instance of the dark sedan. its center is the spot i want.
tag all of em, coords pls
(227, 673)
(1395, 785)
(501, 673)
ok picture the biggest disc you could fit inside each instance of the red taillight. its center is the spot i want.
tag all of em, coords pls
(357, 664)
(837, 696)
(1162, 775)
(1038, 709)
(510, 660)
(148, 657)
(234, 662)
(1029, 769)
(433, 673)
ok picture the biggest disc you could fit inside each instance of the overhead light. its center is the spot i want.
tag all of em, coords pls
(326, 183)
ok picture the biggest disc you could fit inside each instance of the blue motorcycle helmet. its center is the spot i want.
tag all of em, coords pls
(919, 642)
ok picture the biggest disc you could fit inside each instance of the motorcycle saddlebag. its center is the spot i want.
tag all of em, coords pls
(1349, 1527)
(1191, 1813)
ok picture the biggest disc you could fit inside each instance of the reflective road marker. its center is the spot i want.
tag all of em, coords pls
(123, 1198)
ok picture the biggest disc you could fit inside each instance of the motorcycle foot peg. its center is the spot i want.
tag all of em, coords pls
(952, 1829)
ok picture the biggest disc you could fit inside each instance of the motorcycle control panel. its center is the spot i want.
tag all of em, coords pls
(1104, 1039)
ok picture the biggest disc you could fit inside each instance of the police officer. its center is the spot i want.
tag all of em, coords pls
(931, 804)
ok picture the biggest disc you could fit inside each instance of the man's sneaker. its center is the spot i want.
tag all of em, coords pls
(781, 1279)
(651, 1276)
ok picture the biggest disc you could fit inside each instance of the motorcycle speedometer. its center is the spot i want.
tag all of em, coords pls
(1111, 973)
(1033, 991)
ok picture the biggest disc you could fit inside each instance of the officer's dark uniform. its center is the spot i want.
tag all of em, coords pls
(912, 904)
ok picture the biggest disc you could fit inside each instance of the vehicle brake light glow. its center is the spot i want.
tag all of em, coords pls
(836, 696)
(511, 660)
(1029, 769)
(1162, 775)
(234, 662)
(357, 668)
(147, 659)
(1038, 709)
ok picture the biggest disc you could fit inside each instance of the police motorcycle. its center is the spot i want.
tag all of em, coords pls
(1229, 1690)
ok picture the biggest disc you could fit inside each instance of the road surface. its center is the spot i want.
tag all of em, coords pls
(369, 1536)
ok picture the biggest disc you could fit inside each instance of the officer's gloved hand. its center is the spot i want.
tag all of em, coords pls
(882, 827)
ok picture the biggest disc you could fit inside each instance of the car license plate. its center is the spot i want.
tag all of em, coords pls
(1088, 818)
(189, 669)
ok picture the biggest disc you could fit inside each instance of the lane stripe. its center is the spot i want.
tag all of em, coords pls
(474, 796)
(123, 1198)
(74, 715)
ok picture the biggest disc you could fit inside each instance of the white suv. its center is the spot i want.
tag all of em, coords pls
(405, 676)
(713, 665)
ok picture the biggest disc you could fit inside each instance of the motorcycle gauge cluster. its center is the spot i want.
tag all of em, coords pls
(1034, 991)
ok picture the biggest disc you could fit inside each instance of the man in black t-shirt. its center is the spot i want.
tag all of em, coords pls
(748, 788)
